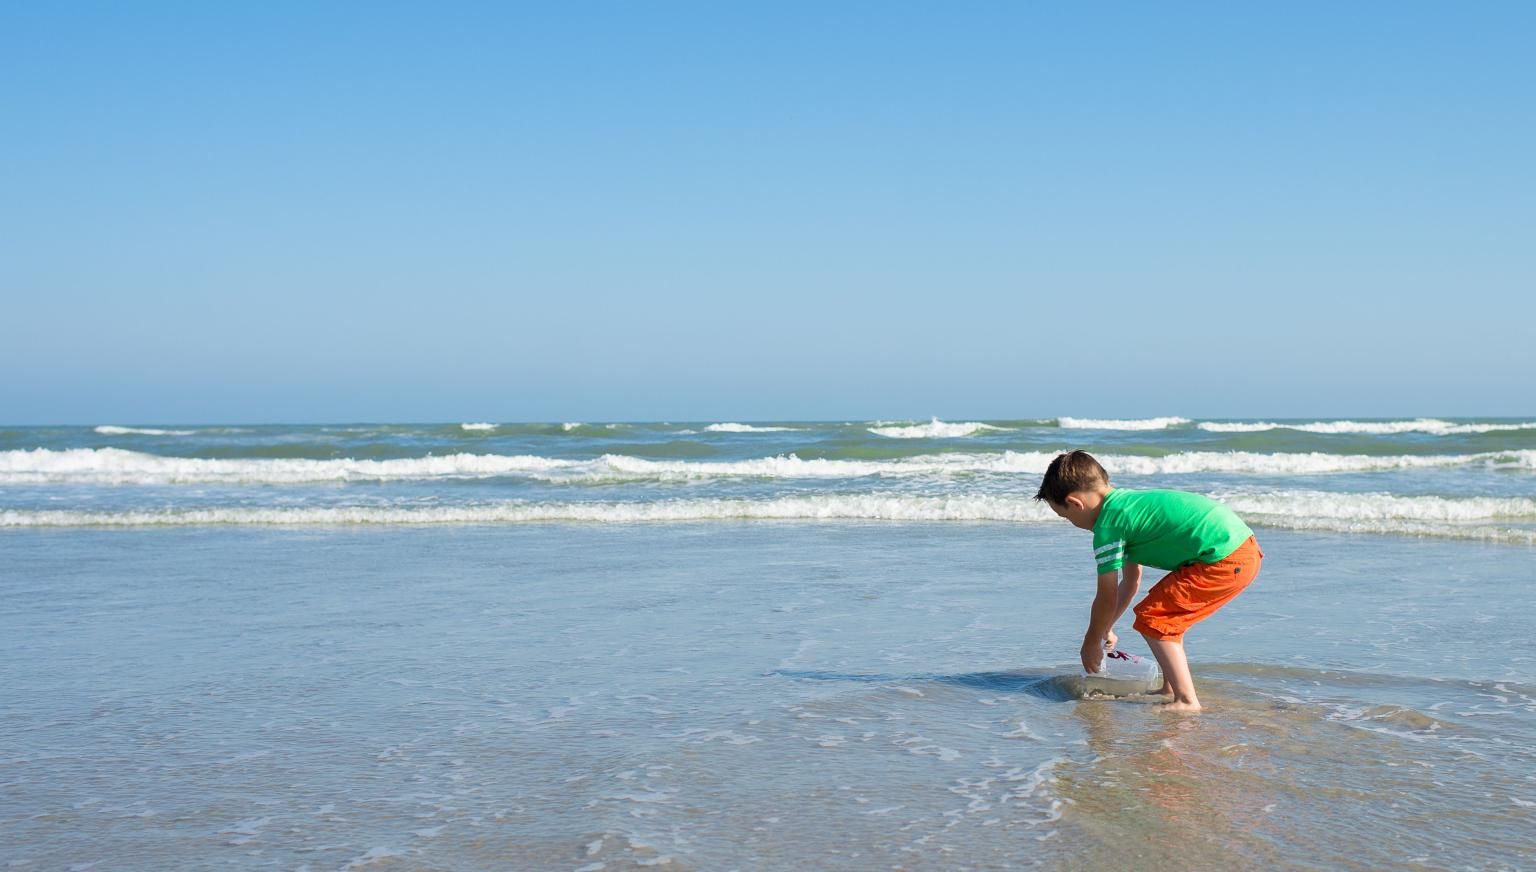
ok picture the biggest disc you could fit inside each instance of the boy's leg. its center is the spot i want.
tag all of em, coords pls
(1183, 598)
(1176, 677)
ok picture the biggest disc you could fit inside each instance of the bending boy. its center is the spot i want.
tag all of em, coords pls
(1210, 553)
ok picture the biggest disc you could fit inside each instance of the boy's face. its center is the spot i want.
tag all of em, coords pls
(1077, 511)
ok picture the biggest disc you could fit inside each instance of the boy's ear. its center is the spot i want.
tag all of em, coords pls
(1075, 501)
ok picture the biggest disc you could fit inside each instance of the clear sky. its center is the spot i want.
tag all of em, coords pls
(744, 211)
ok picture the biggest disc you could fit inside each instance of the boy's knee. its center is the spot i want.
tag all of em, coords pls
(1153, 635)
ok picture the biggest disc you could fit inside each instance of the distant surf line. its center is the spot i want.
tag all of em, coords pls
(937, 428)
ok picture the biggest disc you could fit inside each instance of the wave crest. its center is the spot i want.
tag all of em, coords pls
(1371, 507)
(747, 428)
(934, 429)
(119, 466)
(1120, 423)
(1433, 426)
(1296, 510)
(869, 507)
(114, 430)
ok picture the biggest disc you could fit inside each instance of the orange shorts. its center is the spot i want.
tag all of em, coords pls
(1190, 594)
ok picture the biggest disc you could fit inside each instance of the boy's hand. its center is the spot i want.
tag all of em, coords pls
(1092, 655)
(1111, 640)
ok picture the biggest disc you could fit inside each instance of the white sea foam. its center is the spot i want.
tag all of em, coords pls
(866, 507)
(1308, 463)
(934, 429)
(1389, 514)
(1237, 426)
(1370, 507)
(113, 430)
(746, 428)
(119, 466)
(481, 426)
(568, 426)
(1120, 423)
(1433, 426)
(1478, 532)
(1466, 518)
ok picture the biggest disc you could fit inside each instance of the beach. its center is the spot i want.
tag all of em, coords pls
(585, 438)
(767, 645)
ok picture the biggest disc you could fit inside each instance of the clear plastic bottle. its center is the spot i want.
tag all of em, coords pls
(1121, 672)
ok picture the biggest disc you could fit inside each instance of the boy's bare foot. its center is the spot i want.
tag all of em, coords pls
(1177, 706)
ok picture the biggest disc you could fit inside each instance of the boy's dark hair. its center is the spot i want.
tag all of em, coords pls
(1071, 472)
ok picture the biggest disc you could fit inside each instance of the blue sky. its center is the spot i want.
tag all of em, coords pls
(644, 211)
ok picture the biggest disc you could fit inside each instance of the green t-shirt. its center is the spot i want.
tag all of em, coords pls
(1164, 528)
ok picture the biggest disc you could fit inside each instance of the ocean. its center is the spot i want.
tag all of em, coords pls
(730, 645)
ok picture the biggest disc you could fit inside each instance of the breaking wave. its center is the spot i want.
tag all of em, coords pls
(113, 430)
(478, 427)
(1470, 518)
(747, 428)
(1120, 423)
(1371, 507)
(868, 507)
(934, 429)
(1432, 426)
(119, 466)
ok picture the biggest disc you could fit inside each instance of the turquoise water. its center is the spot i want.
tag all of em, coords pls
(550, 647)
(1459, 479)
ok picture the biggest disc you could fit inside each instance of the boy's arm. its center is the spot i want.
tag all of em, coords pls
(1130, 582)
(1105, 611)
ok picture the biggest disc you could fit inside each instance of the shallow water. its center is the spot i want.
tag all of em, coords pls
(743, 696)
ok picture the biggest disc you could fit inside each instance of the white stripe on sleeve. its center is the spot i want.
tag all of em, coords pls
(1113, 546)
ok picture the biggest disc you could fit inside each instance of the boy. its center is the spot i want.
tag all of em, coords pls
(1210, 552)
